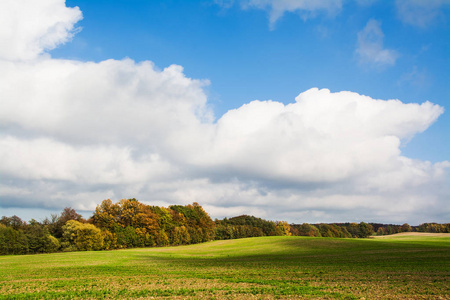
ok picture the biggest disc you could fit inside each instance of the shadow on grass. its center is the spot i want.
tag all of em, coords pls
(287, 266)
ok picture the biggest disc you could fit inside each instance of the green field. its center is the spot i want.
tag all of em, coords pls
(402, 267)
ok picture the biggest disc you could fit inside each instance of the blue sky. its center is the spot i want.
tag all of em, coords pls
(280, 109)
(245, 59)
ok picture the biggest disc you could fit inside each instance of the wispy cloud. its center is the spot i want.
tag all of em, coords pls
(370, 49)
(420, 13)
(277, 8)
(415, 77)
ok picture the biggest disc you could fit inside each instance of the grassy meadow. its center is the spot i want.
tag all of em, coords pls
(396, 267)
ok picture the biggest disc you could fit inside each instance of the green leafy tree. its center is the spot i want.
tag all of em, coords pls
(406, 228)
(246, 226)
(39, 239)
(126, 237)
(325, 230)
(365, 230)
(12, 241)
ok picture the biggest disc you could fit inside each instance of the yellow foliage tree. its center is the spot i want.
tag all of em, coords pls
(284, 227)
(81, 237)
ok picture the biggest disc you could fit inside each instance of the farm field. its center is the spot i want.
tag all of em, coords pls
(394, 267)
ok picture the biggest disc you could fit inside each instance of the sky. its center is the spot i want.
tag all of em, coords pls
(296, 110)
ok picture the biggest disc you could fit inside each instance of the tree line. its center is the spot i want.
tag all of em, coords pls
(386, 229)
(129, 223)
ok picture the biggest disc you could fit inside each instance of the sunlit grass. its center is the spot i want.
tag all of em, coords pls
(266, 268)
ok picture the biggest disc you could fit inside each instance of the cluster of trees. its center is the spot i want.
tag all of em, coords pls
(433, 227)
(19, 237)
(363, 230)
(125, 224)
(345, 230)
(249, 226)
(129, 223)
(386, 229)
(383, 229)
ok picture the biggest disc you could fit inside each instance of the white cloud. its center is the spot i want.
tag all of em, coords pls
(323, 137)
(420, 13)
(107, 102)
(370, 48)
(306, 8)
(29, 27)
(74, 133)
(47, 159)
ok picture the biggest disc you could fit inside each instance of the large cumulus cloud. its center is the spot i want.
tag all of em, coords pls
(30, 27)
(74, 133)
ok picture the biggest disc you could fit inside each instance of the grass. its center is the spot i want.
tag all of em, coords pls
(404, 267)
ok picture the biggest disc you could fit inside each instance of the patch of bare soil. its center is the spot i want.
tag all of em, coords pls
(413, 234)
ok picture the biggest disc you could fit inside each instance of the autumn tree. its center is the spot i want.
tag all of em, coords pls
(130, 223)
(434, 227)
(55, 223)
(284, 228)
(106, 215)
(199, 224)
(81, 237)
(306, 229)
(14, 222)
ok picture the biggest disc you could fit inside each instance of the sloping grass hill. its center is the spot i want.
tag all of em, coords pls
(408, 267)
